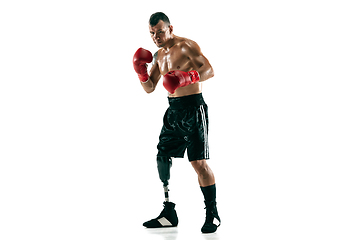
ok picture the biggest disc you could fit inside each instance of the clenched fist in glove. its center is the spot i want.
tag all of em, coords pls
(175, 79)
(141, 57)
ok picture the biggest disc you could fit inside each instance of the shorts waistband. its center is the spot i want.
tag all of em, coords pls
(186, 101)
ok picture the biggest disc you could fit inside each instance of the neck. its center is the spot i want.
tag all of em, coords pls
(169, 43)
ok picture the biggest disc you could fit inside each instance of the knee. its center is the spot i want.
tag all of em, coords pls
(201, 167)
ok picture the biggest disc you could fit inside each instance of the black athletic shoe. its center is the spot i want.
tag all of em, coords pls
(167, 218)
(212, 220)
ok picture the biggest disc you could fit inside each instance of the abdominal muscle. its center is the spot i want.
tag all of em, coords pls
(191, 89)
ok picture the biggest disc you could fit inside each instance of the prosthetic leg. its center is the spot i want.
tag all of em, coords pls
(168, 216)
(164, 165)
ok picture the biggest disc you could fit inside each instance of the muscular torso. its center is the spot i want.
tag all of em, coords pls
(177, 58)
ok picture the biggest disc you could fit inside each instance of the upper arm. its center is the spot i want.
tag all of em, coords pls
(155, 71)
(194, 53)
(199, 61)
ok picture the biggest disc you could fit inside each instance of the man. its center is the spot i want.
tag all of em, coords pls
(184, 67)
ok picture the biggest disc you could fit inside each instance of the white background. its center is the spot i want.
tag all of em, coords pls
(78, 134)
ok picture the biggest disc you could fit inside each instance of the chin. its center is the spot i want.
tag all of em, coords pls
(160, 44)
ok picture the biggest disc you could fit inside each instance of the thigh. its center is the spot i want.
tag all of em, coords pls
(198, 146)
(171, 142)
(171, 146)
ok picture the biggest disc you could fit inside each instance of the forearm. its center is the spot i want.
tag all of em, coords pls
(148, 86)
(205, 73)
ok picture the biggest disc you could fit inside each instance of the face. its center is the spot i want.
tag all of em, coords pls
(160, 33)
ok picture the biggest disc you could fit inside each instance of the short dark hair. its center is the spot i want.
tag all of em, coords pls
(156, 17)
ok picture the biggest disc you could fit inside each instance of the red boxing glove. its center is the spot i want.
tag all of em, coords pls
(141, 57)
(175, 79)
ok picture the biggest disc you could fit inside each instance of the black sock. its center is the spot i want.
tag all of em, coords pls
(209, 193)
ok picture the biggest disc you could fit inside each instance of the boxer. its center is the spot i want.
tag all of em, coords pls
(184, 68)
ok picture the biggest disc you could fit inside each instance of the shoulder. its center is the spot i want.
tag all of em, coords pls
(189, 45)
(159, 54)
(155, 57)
(185, 42)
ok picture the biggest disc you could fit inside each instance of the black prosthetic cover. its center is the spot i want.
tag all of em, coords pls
(164, 165)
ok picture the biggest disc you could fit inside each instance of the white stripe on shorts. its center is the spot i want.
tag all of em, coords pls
(206, 145)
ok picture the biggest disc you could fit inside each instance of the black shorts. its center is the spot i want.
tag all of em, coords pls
(185, 127)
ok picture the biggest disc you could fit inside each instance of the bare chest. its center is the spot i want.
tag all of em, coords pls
(174, 59)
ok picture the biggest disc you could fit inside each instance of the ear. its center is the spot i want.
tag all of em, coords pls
(171, 28)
